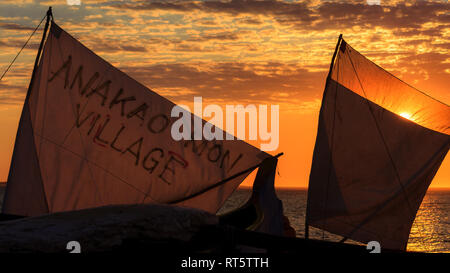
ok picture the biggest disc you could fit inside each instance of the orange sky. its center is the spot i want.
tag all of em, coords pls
(238, 52)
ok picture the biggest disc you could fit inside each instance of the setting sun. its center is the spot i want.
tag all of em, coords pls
(406, 115)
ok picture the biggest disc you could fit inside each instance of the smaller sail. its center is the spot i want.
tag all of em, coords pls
(379, 144)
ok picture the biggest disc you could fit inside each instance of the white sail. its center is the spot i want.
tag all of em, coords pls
(379, 144)
(90, 135)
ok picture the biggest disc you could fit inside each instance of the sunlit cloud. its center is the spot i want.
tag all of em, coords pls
(73, 2)
(373, 2)
(228, 45)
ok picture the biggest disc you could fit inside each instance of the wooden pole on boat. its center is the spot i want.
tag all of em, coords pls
(328, 78)
(334, 57)
(38, 56)
(4, 216)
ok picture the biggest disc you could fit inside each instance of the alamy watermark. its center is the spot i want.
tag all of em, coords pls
(74, 247)
(257, 123)
(374, 247)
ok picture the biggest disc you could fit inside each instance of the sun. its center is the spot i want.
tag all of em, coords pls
(406, 115)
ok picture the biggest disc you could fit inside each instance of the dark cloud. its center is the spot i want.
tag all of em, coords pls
(206, 22)
(249, 82)
(12, 94)
(298, 10)
(445, 45)
(187, 47)
(18, 43)
(113, 46)
(216, 36)
(417, 42)
(259, 83)
(327, 15)
(434, 62)
(13, 26)
(406, 32)
(251, 21)
(133, 48)
(233, 81)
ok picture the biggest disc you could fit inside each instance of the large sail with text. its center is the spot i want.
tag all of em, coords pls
(379, 144)
(90, 135)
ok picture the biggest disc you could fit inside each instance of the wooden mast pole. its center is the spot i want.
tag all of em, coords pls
(38, 56)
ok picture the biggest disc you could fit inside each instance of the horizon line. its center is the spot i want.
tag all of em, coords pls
(300, 188)
(306, 188)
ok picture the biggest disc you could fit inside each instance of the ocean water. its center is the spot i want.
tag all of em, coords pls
(430, 231)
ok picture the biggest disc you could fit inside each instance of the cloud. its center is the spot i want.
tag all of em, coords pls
(250, 21)
(16, 43)
(216, 36)
(401, 15)
(13, 26)
(243, 82)
(407, 32)
(11, 94)
(251, 50)
(114, 47)
(325, 15)
(299, 10)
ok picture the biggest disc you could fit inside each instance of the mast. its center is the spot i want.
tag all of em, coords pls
(39, 53)
(328, 78)
(334, 56)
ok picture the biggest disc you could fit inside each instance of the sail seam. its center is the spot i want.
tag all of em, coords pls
(45, 96)
(42, 128)
(93, 163)
(81, 139)
(381, 206)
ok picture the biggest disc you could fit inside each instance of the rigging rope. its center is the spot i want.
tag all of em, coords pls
(20, 51)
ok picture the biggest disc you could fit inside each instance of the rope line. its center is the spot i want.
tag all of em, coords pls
(20, 51)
